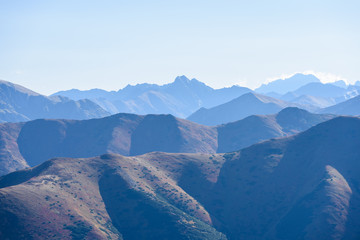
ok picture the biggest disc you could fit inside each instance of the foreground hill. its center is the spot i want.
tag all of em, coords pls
(109, 197)
(31, 143)
(241, 107)
(21, 104)
(301, 187)
(179, 98)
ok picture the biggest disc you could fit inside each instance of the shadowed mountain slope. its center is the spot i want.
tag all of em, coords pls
(21, 104)
(168, 134)
(31, 143)
(10, 156)
(300, 187)
(241, 107)
(257, 128)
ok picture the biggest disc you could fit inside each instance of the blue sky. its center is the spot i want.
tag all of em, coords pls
(56, 45)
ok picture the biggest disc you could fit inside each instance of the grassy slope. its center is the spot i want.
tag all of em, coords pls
(90, 197)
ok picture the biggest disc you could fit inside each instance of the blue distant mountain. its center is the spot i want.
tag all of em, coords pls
(340, 83)
(282, 86)
(321, 90)
(348, 107)
(239, 108)
(19, 104)
(179, 98)
(321, 95)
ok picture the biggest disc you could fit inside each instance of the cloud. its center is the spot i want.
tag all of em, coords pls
(326, 77)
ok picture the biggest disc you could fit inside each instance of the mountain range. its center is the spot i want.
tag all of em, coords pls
(283, 86)
(238, 108)
(179, 98)
(31, 143)
(19, 104)
(349, 107)
(299, 187)
(307, 90)
(244, 165)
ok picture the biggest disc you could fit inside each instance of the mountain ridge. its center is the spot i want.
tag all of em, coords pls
(130, 134)
(20, 104)
(238, 108)
(179, 98)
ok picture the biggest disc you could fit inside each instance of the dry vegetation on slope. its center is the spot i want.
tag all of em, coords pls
(108, 197)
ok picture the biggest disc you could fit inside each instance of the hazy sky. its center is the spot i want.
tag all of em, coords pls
(56, 45)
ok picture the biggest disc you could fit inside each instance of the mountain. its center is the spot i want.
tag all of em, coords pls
(179, 98)
(31, 143)
(109, 197)
(282, 86)
(241, 107)
(312, 102)
(349, 107)
(321, 90)
(21, 104)
(253, 129)
(320, 95)
(340, 83)
(130, 134)
(300, 187)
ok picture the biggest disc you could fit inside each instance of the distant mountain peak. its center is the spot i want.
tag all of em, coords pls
(292, 83)
(290, 110)
(340, 83)
(19, 88)
(260, 97)
(182, 79)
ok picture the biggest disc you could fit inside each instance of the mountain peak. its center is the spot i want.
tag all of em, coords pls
(292, 110)
(292, 83)
(18, 88)
(182, 79)
(340, 83)
(260, 97)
